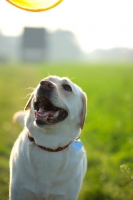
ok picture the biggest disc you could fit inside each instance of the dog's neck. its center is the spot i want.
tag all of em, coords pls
(46, 148)
(58, 135)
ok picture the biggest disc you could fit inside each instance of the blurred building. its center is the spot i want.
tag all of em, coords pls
(34, 44)
(64, 46)
(9, 48)
(114, 54)
(37, 45)
(40, 45)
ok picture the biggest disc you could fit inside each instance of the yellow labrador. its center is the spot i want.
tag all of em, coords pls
(48, 161)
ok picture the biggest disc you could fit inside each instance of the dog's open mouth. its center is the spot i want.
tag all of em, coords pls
(46, 113)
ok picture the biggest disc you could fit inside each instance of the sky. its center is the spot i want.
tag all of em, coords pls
(97, 24)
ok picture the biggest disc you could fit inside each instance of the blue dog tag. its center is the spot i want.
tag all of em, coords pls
(77, 145)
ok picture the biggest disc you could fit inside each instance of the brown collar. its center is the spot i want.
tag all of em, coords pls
(48, 149)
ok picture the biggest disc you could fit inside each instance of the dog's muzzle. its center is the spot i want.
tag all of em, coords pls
(45, 112)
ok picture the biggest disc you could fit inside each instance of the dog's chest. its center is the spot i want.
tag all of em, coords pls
(47, 165)
(48, 173)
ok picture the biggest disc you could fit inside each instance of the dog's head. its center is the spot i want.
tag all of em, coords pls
(57, 100)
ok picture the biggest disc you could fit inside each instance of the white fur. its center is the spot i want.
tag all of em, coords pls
(36, 174)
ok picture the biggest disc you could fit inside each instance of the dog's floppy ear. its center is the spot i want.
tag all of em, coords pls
(28, 103)
(83, 112)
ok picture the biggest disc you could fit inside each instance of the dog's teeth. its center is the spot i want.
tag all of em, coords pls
(45, 118)
(56, 114)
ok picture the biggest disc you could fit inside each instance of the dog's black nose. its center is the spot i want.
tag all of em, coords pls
(46, 85)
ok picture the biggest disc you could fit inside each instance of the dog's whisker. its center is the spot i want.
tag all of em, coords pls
(27, 95)
(48, 73)
(72, 78)
(30, 88)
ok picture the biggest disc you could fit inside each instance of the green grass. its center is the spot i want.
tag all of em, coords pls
(108, 131)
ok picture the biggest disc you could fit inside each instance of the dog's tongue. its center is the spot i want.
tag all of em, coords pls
(44, 115)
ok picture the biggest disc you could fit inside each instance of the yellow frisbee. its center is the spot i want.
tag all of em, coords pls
(35, 5)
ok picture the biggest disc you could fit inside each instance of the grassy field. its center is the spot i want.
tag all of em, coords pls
(108, 131)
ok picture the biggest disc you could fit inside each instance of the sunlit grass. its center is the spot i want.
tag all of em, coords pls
(108, 131)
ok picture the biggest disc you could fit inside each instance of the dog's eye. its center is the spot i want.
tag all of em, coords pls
(67, 87)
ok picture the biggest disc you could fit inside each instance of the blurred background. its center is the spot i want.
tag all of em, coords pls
(74, 30)
(91, 42)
